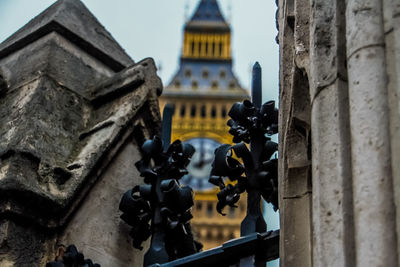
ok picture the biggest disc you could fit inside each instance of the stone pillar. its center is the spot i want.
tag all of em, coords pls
(331, 165)
(294, 137)
(374, 213)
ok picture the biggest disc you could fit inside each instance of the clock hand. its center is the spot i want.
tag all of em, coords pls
(201, 162)
(204, 161)
(202, 149)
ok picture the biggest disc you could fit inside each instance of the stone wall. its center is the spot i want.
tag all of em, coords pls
(74, 109)
(339, 132)
(96, 228)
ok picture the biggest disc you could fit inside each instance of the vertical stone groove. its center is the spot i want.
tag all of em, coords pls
(391, 10)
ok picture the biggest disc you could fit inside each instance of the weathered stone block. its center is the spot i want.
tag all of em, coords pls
(333, 229)
(56, 57)
(25, 245)
(96, 227)
(328, 42)
(297, 230)
(364, 25)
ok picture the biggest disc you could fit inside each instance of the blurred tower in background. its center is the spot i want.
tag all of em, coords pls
(202, 92)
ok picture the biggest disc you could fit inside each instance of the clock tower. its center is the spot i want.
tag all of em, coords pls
(202, 92)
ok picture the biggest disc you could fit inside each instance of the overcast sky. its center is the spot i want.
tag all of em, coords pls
(153, 28)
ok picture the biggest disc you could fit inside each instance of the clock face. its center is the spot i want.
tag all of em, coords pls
(200, 165)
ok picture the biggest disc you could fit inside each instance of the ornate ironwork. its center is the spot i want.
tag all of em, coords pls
(256, 173)
(167, 204)
(71, 257)
(162, 200)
